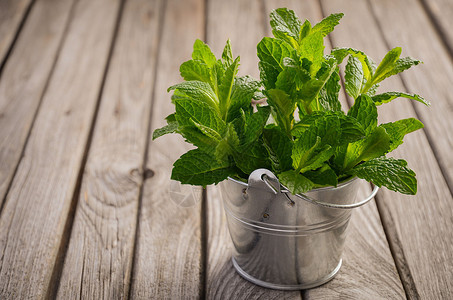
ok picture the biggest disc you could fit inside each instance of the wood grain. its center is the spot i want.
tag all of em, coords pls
(423, 228)
(37, 205)
(12, 12)
(440, 12)
(432, 79)
(368, 270)
(24, 79)
(169, 259)
(105, 221)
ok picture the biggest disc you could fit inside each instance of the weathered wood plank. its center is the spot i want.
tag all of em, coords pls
(37, 205)
(368, 270)
(441, 12)
(423, 229)
(24, 79)
(99, 257)
(12, 13)
(243, 23)
(169, 259)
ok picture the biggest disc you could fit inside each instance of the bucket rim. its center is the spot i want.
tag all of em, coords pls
(324, 188)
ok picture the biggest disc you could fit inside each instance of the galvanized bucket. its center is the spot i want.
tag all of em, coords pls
(284, 241)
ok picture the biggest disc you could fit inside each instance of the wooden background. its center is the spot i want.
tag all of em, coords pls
(85, 210)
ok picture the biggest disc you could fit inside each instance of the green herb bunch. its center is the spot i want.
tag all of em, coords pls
(301, 134)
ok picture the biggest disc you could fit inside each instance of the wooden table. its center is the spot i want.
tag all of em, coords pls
(84, 192)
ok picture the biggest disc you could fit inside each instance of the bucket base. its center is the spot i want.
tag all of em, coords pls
(283, 286)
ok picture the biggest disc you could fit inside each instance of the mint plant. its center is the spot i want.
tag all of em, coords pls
(301, 133)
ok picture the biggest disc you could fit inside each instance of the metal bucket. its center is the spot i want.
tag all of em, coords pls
(284, 241)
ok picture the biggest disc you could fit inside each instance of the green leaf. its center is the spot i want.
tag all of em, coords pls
(310, 156)
(389, 172)
(196, 137)
(328, 24)
(254, 125)
(285, 25)
(195, 70)
(310, 90)
(351, 129)
(365, 111)
(368, 66)
(386, 64)
(273, 51)
(226, 87)
(324, 176)
(279, 147)
(268, 74)
(202, 52)
(199, 168)
(295, 182)
(353, 77)
(397, 130)
(305, 30)
(243, 91)
(197, 90)
(328, 95)
(312, 48)
(189, 111)
(252, 158)
(228, 145)
(283, 107)
(171, 127)
(390, 65)
(389, 96)
(227, 54)
(374, 145)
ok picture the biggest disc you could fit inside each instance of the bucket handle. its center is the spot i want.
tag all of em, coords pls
(325, 204)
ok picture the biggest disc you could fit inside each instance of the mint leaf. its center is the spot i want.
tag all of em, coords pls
(254, 125)
(283, 107)
(172, 126)
(309, 156)
(324, 176)
(351, 129)
(374, 145)
(285, 25)
(199, 168)
(397, 130)
(328, 24)
(390, 65)
(295, 182)
(203, 53)
(328, 95)
(368, 66)
(244, 90)
(305, 30)
(226, 87)
(195, 70)
(386, 64)
(365, 111)
(312, 48)
(279, 146)
(194, 136)
(389, 96)
(197, 90)
(227, 54)
(188, 111)
(353, 77)
(273, 51)
(252, 158)
(389, 172)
